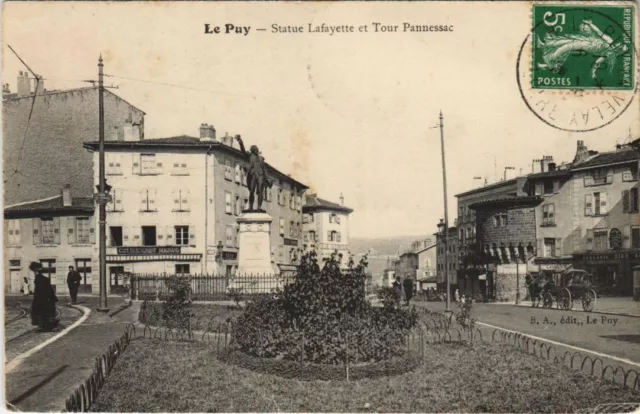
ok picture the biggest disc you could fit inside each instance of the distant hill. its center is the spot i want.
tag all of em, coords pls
(383, 246)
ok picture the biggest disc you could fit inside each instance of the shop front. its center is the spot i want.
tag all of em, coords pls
(612, 270)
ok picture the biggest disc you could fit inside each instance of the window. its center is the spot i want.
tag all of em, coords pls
(116, 201)
(237, 207)
(49, 267)
(280, 197)
(312, 236)
(238, 174)
(549, 247)
(148, 235)
(292, 202)
(181, 200)
(332, 218)
(182, 235)
(183, 269)
(548, 187)
(635, 237)
(599, 177)
(595, 204)
(14, 232)
(245, 203)
(548, 215)
(630, 173)
(179, 168)
(115, 238)
(148, 164)
(282, 227)
(228, 170)
(148, 200)
(267, 194)
(113, 164)
(500, 220)
(227, 203)
(600, 241)
(292, 229)
(83, 228)
(228, 235)
(48, 231)
(298, 203)
(630, 200)
(243, 176)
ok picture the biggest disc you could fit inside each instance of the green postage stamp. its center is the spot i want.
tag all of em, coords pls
(583, 46)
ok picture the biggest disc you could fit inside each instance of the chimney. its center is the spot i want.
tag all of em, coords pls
(66, 196)
(546, 160)
(204, 131)
(212, 132)
(341, 200)
(552, 166)
(24, 87)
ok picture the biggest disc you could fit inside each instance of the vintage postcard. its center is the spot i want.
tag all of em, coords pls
(314, 206)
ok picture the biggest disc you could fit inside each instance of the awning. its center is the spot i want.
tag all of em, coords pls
(431, 279)
(155, 258)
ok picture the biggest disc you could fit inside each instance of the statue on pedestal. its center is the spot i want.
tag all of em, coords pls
(257, 178)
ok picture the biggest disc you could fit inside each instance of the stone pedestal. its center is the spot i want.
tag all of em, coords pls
(255, 272)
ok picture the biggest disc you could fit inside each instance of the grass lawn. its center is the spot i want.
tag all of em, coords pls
(217, 314)
(155, 376)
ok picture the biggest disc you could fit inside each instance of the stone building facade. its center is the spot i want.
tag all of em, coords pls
(326, 227)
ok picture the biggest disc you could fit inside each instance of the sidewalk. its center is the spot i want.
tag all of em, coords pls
(607, 305)
(46, 379)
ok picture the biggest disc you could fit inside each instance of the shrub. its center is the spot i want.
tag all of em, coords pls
(389, 297)
(176, 310)
(323, 317)
(465, 319)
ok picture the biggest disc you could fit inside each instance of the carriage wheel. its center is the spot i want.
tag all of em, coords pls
(565, 301)
(535, 301)
(547, 301)
(589, 300)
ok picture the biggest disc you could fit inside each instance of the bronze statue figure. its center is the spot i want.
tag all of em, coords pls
(257, 178)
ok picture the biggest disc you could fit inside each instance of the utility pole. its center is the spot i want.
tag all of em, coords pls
(102, 196)
(446, 217)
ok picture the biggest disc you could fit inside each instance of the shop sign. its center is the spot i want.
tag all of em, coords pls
(147, 250)
(615, 239)
(603, 257)
(229, 255)
(290, 242)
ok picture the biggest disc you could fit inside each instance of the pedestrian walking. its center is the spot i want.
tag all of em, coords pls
(408, 289)
(457, 295)
(397, 285)
(73, 282)
(26, 289)
(43, 307)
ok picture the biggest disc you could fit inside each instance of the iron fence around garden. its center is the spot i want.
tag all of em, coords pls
(207, 287)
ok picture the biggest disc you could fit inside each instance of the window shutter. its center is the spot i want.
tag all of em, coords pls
(184, 199)
(37, 234)
(119, 197)
(603, 203)
(609, 176)
(539, 189)
(238, 180)
(161, 236)
(126, 237)
(159, 167)
(152, 199)
(176, 200)
(92, 232)
(136, 236)
(56, 230)
(540, 251)
(144, 206)
(192, 236)
(329, 238)
(338, 236)
(169, 236)
(589, 239)
(556, 186)
(588, 204)
(588, 180)
(136, 164)
(551, 214)
(626, 237)
(559, 247)
(625, 201)
(71, 230)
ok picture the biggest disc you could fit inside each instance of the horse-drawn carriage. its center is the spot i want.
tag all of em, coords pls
(564, 289)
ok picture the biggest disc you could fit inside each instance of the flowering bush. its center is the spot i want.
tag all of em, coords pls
(176, 310)
(323, 317)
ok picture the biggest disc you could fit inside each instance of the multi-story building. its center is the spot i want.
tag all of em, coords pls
(176, 200)
(407, 266)
(326, 227)
(58, 232)
(451, 252)
(39, 162)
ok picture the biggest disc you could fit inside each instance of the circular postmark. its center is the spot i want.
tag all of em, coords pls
(577, 69)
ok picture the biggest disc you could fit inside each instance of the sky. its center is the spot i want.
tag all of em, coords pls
(351, 113)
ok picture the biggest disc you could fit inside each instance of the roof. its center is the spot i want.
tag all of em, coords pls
(426, 248)
(513, 200)
(53, 206)
(182, 142)
(15, 97)
(317, 203)
(489, 187)
(608, 158)
(550, 174)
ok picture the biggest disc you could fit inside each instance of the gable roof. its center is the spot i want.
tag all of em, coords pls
(52, 206)
(316, 203)
(608, 158)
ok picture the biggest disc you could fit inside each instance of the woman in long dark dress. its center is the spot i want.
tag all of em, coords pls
(43, 307)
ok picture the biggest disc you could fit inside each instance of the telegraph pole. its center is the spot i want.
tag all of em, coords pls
(102, 194)
(446, 217)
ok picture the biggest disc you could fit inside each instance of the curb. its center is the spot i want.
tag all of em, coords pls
(15, 362)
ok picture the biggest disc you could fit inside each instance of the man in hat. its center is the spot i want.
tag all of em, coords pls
(43, 307)
(73, 282)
